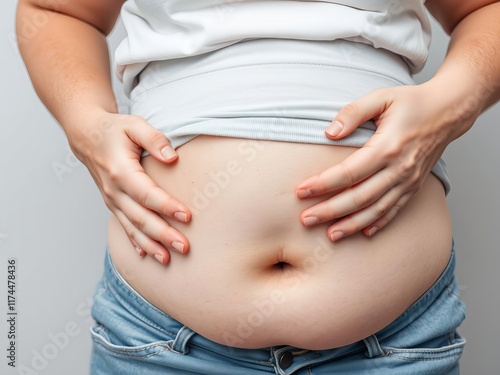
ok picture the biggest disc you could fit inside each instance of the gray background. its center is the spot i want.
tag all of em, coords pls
(55, 225)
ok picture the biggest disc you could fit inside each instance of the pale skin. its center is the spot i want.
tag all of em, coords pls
(67, 59)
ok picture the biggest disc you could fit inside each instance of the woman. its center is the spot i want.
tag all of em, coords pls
(256, 290)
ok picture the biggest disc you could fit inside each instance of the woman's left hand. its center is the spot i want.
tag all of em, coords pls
(414, 126)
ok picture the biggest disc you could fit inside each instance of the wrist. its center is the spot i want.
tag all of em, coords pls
(87, 130)
(458, 99)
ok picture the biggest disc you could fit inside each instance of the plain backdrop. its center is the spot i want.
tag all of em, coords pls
(53, 221)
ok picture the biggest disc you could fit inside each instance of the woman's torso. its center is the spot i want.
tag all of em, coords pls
(254, 275)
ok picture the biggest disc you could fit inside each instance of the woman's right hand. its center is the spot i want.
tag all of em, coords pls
(110, 145)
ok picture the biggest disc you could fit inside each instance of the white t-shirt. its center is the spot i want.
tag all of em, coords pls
(266, 69)
(170, 29)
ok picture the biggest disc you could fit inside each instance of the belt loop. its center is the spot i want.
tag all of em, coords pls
(181, 339)
(373, 346)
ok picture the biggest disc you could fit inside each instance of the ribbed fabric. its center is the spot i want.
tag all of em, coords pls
(272, 89)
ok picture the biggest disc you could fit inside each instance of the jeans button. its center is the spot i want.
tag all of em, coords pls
(286, 360)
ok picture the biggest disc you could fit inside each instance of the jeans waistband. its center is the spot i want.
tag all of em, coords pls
(276, 356)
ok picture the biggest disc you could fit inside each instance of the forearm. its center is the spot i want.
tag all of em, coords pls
(469, 77)
(67, 60)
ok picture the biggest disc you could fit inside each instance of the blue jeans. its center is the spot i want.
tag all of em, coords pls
(131, 336)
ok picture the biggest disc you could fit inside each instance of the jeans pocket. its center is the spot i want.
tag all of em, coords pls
(103, 340)
(449, 347)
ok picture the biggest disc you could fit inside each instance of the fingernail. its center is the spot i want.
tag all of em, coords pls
(303, 193)
(138, 249)
(182, 216)
(372, 231)
(311, 220)
(337, 235)
(168, 152)
(334, 128)
(159, 257)
(179, 246)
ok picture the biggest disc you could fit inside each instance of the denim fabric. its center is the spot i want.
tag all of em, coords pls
(131, 336)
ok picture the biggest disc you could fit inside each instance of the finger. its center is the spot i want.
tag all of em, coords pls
(361, 219)
(350, 200)
(154, 226)
(386, 219)
(357, 167)
(142, 189)
(356, 113)
(143, 242)
(152, 140)
(140, 251)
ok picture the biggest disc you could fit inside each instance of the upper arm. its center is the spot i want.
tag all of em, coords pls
(101, 14)
(450, 12)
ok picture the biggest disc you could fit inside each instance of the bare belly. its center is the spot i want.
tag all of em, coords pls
(255, 276)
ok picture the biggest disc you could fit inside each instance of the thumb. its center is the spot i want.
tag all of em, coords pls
(356, 113)
(154, 142)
